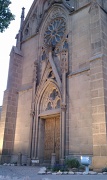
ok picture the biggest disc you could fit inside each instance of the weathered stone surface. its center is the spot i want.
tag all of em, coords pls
(71, 173)
(79, 173)
(92, 173)
(58, 77)
(104, 173)
(42, 171)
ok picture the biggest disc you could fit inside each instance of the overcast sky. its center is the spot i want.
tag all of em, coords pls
(7, 40)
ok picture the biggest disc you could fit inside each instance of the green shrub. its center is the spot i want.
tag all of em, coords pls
(104, 169)
(58, 167)
(72, 163)
(48, 168)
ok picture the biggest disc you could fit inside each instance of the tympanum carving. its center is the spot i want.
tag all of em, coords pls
(50, 99)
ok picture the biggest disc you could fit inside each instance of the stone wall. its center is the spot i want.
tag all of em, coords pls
(80, 119)
(30, 53)
(24, 110)
(82, 3)
(105, 4)
(98, 85)
(0, 111)
(79, 40)
(86, 116)
(9, 109)
(23, 124)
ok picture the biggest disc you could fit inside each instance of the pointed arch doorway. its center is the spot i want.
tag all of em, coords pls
(49, 125)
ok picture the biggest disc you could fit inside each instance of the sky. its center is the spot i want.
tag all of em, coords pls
(7, 40)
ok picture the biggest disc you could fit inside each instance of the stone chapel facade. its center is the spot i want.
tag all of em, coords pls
(56, 96)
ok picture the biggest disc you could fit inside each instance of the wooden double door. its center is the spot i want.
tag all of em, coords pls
(52, 138)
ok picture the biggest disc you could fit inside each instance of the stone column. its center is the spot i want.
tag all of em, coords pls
(99, 122)
(41, 133)
(98, 86)
(54, 69)
(63, 133)
(19, 161)
(64, 69)
(32, 125)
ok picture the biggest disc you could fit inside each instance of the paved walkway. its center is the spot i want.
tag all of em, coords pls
(24, 171)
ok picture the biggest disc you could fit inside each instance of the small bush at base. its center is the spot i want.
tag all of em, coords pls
(104, 169)
(58, 167)
(72, 163)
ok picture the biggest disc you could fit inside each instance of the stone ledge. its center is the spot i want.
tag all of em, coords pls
(79, 71)
(95, 57)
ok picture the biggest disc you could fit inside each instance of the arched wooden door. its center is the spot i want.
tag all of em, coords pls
(52, 138)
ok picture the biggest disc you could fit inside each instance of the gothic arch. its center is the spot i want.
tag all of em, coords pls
(50, 99)
(43, 103)
(55, 11)
(44, 97)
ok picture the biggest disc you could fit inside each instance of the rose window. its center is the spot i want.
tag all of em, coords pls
(55, 32)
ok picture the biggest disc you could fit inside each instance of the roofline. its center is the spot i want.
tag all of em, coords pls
(29, 12)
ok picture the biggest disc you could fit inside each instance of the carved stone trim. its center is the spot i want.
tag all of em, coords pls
(32, 113)
(50, 113)
(69, 5)
(50, 99)
(35, 71)
(63, 107)
(54, 69)
(55, 31)
(64, 61)
(94, 5)
(58, 12)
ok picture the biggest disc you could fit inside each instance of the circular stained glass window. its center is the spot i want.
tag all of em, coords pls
(54, 32)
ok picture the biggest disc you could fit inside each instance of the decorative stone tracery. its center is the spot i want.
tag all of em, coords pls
(70, 4)
(64, 61)
(53, 54)
(50, 99)
(55, 31)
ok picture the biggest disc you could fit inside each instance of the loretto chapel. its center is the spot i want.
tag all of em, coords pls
(55, 103)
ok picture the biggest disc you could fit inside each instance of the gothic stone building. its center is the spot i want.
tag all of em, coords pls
(56, 97)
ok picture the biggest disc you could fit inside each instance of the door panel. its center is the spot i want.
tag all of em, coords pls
(52, 137)
(57, 138)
